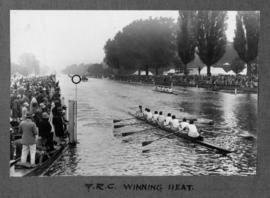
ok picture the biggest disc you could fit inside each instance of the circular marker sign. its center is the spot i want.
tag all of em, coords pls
(76, 79)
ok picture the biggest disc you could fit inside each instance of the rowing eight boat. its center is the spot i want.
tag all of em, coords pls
(165, 92)
(186, 137)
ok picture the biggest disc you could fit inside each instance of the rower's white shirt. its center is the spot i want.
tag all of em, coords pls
(161, 118)
(175, 123)
(170, 90)
(184, 125)
(155, 117)
(168, 120)
(145, 113)
(193, 131)
(149, 116)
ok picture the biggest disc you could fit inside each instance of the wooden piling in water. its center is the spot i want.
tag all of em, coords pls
(72, 116)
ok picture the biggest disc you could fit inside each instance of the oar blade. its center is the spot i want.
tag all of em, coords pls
(127, 134)
(211, 122)
(146, 151)
(115, 121)
(118, 126)
(146, 143)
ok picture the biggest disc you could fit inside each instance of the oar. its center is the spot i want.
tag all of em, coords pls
(114, 121)
(145, 143)
(122, 125)
(132, 132)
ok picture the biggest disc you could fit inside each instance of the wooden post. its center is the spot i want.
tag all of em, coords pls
(72, 117)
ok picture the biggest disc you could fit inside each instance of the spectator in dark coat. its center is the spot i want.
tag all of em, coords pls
(45, 131)
(58, 121)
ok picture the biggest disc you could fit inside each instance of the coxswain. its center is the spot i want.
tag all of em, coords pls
(174, 123)
(149, 115)
(184, 125)
(193, 131)
(139, 113)
(168, 120)
(161, 119)
(155, 117)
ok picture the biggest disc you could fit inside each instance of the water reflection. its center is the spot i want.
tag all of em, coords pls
(103, 150)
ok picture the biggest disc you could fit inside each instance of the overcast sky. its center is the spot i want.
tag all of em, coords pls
(61, 38)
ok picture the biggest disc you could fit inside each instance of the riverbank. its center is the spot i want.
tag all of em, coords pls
(227, 84)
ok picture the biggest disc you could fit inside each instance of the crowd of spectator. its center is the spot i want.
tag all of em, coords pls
(37, 100)
(220, 81)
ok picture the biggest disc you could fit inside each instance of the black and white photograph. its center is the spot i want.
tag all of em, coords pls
(133, 92)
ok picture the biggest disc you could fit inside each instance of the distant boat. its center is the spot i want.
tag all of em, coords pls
(84, 78)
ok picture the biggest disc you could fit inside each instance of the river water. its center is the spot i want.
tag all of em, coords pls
(102, 151)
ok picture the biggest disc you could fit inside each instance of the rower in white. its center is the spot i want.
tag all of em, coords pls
(184, 125)
(162, 88)
(192, 130)
(155, 117)
(168, 120)
(174, 124)
(170, 90)
(145, 112)
(161, 119)
(149, 115)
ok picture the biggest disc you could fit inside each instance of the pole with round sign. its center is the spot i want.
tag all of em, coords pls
(76, 79)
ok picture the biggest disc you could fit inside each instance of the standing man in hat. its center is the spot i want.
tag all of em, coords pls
(45, 131)
(24, 110)
(29, 134)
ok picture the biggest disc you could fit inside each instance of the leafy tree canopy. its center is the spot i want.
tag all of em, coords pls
(211, 37)
(143, 44)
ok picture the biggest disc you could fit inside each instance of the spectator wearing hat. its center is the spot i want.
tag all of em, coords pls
(33, 105)
(43, 107)
(45, 131)
(29, 133)
(24, 110)
(15, 107)
(58, 121)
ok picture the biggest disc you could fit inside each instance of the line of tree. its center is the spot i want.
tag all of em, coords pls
(205, 33)
(28, 64)
(95, 69)
(158, 43)
(143, 45)
(247, 37)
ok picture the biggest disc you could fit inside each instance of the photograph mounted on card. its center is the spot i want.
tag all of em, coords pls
(133, 93)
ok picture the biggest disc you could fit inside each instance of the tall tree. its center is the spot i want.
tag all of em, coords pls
(143, 44)
(30, 62)
(211, 37)
(247, 37)
(237, 65)
(186, 36)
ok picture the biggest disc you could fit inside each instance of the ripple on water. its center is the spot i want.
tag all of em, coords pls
(103, 150)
